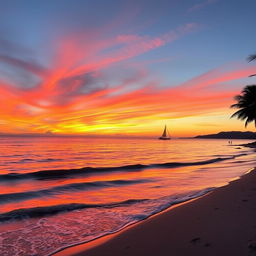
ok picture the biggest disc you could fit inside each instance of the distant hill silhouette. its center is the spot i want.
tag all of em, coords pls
(229, 135)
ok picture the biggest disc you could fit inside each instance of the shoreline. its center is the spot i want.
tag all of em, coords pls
(84, 246)
(151, 236)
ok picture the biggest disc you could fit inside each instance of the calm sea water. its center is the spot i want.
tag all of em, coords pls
(58, 192)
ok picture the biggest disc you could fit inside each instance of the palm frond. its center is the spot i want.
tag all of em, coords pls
(251, 57)
(246, 105)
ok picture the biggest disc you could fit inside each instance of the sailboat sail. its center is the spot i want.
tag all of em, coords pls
(164, 135)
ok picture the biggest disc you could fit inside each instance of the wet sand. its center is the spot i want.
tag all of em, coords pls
(221, 223)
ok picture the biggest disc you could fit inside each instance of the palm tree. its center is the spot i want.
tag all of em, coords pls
(246, 102)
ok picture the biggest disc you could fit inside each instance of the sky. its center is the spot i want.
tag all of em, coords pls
(124, 68)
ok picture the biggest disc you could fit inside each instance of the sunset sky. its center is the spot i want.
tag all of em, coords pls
(124, 67)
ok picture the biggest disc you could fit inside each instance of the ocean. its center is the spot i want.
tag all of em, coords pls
(56, 192)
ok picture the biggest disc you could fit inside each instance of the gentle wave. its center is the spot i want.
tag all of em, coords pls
(55, 233)
(20, 196)
(60, 174)
(38, 212)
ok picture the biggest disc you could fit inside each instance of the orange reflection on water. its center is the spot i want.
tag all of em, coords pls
(110, 186)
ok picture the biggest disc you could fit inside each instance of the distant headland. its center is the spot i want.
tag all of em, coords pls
(229, 135)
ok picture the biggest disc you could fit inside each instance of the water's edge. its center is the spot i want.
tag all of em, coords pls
(135, 222)
(61, 252)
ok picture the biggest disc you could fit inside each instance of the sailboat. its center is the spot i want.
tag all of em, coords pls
(165, 135)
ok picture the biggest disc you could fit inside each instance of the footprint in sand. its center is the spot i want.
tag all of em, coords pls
(195, 240)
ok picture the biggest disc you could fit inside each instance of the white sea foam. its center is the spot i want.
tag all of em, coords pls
(47, 235)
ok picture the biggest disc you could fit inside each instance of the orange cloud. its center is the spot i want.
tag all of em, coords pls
(78, 92)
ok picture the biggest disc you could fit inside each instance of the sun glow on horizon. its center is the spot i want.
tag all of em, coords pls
(94, 83)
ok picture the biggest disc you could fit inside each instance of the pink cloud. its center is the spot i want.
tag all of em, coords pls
(80, 87)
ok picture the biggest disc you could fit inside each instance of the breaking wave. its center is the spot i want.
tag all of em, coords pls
(76, 224)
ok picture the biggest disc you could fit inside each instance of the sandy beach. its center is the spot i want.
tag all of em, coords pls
(221, 223)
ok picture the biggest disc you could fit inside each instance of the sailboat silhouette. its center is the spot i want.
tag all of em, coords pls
(165, 135)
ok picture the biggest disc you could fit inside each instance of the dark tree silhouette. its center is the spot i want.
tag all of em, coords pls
(251, 57)
(246, 102)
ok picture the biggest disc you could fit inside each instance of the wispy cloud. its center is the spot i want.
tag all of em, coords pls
(88, 86)
(201, 5)
(115, 107)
